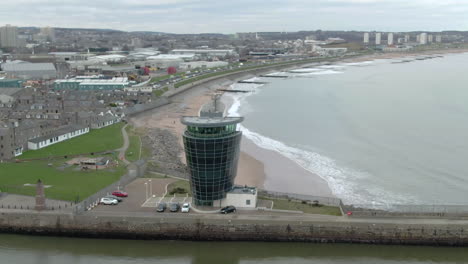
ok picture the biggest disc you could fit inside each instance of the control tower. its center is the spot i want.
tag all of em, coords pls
(212, 147)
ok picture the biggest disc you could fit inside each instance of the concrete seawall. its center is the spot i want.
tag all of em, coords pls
(323, 229)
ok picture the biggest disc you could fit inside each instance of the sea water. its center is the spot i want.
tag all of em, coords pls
(379, 132)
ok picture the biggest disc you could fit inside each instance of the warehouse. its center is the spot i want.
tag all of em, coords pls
(28, 70)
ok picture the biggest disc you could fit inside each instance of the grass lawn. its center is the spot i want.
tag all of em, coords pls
(183, 186)
(160, 92)
(283, 204)
(133, 151)
(67, 184)
(97, 140)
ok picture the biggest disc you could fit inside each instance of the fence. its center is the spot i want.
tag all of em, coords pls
(136, 169)
(331, 201)
(400, 210)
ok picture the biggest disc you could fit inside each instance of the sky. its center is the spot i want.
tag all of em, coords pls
(231, 16)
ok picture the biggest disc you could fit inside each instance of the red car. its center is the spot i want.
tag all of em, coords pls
(120, 194)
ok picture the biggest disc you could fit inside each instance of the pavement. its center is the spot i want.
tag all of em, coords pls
(23, 202)
(125, 146)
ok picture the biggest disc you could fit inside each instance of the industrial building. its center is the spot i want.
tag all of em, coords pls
(206, 53)
(92, 84)
(212, 148)
(202, 64)
(10, 83)
(28, 70)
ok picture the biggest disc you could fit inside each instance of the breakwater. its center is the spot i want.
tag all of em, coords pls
(238, 227)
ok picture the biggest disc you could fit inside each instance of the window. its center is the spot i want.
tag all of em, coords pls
(247, 202)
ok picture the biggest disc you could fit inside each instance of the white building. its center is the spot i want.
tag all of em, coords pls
(57, 136)
(366, 38)
(430, 38)
(407, 38)
(423, 38)
(378, 38)
(206, 53)
(240, 197)
(9, 36)
(390, 39)
(438, 39)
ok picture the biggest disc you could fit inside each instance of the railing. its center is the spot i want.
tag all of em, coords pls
(331, 201)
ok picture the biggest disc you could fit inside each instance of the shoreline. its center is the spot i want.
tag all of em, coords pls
(257, 166)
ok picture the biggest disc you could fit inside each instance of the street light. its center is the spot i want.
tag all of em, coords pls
(146, 190)
(151, 187)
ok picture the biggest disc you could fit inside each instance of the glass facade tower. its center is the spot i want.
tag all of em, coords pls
(212, 147)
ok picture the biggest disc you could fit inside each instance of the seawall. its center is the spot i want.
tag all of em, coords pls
(165, 226)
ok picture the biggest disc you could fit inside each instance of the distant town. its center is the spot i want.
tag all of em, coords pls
(57, 83)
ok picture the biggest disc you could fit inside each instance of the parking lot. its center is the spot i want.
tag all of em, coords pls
(145, 194)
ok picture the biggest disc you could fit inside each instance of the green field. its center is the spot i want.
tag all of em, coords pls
(283, 204)
(97, 140)
(133, 151)
(160, 92)
(66, 183)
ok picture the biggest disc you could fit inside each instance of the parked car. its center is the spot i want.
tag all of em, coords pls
(185, 208)
(109, 201)
(114, 197)
(174, 207)
(120, 194)
(228, 209)
(161, 207)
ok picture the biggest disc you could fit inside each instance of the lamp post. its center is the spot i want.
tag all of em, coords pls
(146, 190)
(151, 188)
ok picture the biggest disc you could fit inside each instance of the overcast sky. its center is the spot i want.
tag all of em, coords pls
(231, 16)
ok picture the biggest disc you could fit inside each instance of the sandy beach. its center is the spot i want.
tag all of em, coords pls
(250, 171)
(257, 166)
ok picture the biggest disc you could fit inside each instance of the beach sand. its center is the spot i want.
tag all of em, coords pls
(250, 171)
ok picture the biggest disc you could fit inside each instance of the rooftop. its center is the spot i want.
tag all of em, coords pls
(58, 132)
(197, 121)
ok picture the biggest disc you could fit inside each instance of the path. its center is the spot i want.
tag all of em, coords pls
(125, 146)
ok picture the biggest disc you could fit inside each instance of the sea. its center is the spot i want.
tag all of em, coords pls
(379, 132)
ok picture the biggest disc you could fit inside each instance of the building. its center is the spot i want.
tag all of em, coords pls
(48, 33)
(390, 39)
(10, 83)
(8, 36)
(407, 38)
(423, 38)
(212, 147)
(28, 70)
(378, 38)
(202, 64)
(57, 136)
(430, 38)
(366, 38)
(104, 121)
(207, 53)
(240, 197)
(92, 84)
(438, 39)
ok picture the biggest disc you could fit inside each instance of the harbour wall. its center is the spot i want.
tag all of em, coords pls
(320, 229)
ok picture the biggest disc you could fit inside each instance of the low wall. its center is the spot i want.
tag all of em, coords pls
(238, 228)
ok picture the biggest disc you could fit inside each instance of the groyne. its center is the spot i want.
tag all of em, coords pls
(238, 227)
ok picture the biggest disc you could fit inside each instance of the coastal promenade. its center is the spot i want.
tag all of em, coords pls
(239, 227)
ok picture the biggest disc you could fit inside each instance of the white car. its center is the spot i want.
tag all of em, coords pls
(109, 201)
(185, 208)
